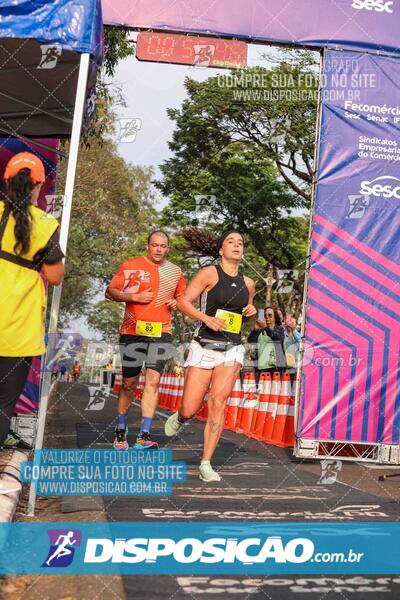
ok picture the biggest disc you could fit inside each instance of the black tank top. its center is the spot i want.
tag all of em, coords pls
(230, 294)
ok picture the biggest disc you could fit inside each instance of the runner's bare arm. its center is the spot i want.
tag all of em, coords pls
(202, 281)
(172, 304)
(53, 273)
(180, 288)
(118, 296)
(250, 310)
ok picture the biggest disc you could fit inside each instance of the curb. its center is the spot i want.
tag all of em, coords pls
(10, 470)
(10, 464)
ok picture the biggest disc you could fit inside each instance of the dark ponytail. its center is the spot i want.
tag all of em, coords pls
(19, 190)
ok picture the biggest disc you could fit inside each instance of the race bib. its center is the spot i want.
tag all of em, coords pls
(148, 328)
(290, 360)
(233, 321)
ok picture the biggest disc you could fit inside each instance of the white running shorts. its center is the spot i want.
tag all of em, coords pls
(205, 358)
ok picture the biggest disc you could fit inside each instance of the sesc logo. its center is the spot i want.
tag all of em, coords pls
(376, 5)
(248, 551)
(388, 190)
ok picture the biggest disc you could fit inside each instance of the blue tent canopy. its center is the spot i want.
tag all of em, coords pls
(73, 25)
(41, 43)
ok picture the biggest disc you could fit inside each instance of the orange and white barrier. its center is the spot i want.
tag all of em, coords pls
(288, 432)
(232, 404)
(264, 412)
(248, 404)
(117, 382)
(260, 414)
(140, 386)
(281, 411)
(272, 407)
(176, 391)
(167, 388)
(162, 391)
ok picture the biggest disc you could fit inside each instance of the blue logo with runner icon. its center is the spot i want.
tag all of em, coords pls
(62, 547)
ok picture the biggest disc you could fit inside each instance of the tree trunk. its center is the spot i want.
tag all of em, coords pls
(270, 280)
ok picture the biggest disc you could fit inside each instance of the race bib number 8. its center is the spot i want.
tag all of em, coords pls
(233, 321)
(148, 328)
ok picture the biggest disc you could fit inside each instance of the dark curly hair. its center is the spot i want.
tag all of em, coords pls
(19, 190)
(278, 320)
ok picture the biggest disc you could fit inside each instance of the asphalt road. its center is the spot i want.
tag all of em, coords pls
(259, 483)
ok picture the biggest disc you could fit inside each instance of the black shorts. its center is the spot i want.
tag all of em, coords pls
(138, 349)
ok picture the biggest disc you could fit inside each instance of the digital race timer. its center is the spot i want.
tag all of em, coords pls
(191, 50)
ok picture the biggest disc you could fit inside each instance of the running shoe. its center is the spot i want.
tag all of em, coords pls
(207, 473)
(144, 442)
(172, 425)
(120, 441)
(8, 487)
(14, 442)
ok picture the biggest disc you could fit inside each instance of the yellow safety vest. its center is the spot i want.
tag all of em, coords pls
(23, 296)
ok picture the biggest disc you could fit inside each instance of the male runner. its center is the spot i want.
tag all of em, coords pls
(149, 286)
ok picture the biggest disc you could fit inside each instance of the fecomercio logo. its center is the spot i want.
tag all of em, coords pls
(379, 6)
(62, 547)
(191, 550)
(391, 189)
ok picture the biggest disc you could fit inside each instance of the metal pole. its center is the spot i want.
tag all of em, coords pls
(64, 230)
(308, 261)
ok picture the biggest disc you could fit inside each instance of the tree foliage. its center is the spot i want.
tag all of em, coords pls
(270, 111)
(112, 206)
(241, 159)
(105, 317)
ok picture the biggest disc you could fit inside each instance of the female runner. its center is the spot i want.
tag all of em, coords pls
(216, 353)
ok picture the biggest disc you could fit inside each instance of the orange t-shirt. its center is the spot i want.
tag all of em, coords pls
(137, 275)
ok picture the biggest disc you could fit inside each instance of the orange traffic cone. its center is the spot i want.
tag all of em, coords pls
(282, 411)
(288, 432)
(272, 407)
(161, 391)
(249, 403)
(232, 405)
(117, 382)
(140, 386)
(177, 391)
(259, 415)
(168, 396)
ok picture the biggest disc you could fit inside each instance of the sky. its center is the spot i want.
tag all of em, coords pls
(149, 89)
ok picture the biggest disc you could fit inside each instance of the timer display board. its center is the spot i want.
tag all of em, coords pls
(191, 50)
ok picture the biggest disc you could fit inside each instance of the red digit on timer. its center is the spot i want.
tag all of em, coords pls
(153, 45)
(167, 46)
(187, 45)
(161, 46)
(233, 53)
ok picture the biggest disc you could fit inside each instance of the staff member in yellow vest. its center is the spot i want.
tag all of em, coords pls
(29, 248)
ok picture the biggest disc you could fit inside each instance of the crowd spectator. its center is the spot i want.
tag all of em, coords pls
(76, 369)
(292, 343)
(268, 337)
(63, 373)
